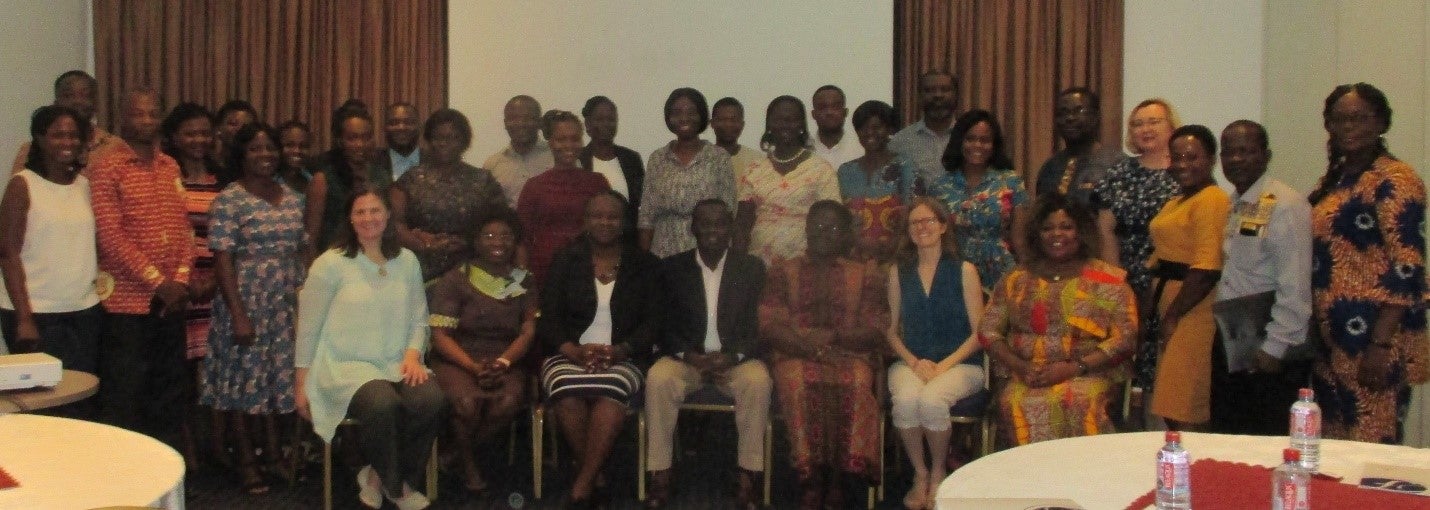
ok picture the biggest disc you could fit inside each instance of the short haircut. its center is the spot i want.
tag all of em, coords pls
(294, 123)
(710, 202)
(402, 104)
(846, 218)
(875, 109)
(1043, 208)
(1092, 97)
(938, 72)
(239, 150)
(830, 87)
(554, 117)
(728, 101)
(501, 214)
(593, 102)
(235, 105)
(694, 96)
(525, 98)
(65, 77)
(40, 122)
(803, 119)
(449, 116)
(1198, 132)
(1255, 127)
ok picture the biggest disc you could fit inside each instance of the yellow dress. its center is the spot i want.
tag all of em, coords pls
(1188, 230)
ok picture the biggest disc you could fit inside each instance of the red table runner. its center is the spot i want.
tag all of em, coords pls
(1218, 485)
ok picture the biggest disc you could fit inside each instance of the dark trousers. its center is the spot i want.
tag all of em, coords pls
(397, 424)
(73, 338)
(143, 375)
(1254, 404)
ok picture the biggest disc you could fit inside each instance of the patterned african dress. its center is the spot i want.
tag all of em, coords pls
(982, 216)
(449, 203)
(1046, 321)
(1368, 252)
(198, 195)
(781, 203)
(265, 240)
(877, 201)
(1188, 231)
(830, 412)
(1134, 194)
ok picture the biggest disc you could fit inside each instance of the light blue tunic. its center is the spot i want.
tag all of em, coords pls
(354, 326)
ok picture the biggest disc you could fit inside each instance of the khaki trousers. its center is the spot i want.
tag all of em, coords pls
(670, 380)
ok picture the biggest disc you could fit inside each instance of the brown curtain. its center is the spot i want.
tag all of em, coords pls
(1011, 57)
(293, 59)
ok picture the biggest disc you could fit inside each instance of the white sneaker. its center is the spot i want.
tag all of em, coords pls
(370, 496)
(410, 500)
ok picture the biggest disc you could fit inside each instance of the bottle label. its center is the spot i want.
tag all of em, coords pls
(1305, 424)
(1172, 474)
(1290, 497)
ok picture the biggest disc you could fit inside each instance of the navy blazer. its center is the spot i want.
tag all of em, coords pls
(737, 314)
(568, 300)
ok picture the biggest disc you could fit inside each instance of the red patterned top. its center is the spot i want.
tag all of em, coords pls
(143, 227)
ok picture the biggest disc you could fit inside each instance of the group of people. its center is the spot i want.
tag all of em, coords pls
(216, 261)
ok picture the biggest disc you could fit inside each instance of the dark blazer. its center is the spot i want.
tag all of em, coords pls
(568, 300)
(737, 315)
(634, 170)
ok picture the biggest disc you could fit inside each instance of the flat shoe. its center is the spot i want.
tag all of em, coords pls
(410, 500)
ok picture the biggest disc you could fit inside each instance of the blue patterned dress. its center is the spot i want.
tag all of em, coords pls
(980, 217)
(265, 240)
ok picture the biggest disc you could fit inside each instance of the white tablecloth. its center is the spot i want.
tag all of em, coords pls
(72, 464)
(1111, 470)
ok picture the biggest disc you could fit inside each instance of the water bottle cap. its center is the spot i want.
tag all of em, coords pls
(1306, 393)
(1174, 436)
(1291, 455)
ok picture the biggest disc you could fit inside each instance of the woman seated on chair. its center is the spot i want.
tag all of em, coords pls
(483, 319)
(596, 316)
(824, 316)
(362, 331)
(935, 300)
(1064, 324)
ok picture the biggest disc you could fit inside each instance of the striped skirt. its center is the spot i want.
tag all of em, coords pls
(561, 378)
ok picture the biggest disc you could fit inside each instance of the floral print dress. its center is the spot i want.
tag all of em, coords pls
(981, 216)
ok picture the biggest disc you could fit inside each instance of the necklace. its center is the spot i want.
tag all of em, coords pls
(607, 276)
(791, 159)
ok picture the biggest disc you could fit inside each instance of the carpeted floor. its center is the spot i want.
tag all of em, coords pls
(704, 474)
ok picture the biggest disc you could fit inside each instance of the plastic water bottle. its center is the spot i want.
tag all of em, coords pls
(1290, 483)
(1306, 429)
(1174, 475)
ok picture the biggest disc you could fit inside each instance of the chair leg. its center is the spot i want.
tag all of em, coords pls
(537, 427)
(511, 445)
(327, 475)
(769, 454)
(876, 494)
(432, 476)
(640, 454)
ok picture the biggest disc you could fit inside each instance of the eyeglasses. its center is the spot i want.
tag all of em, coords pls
(828, 227)
(1151, 121)
(505, 236)
(923, 222)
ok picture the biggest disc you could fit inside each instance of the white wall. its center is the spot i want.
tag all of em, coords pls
(637, 51)
(1203, 56)
(41, 41)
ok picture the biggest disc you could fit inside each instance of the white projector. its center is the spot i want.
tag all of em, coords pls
(23, 371)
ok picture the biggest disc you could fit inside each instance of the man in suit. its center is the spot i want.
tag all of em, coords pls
(400, 130)
(709, 336)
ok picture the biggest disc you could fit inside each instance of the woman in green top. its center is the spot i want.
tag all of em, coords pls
(362, 331)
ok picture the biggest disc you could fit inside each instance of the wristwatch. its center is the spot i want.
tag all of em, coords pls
(1081, 367)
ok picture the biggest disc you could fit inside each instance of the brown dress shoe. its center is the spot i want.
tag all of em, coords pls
(658, 495)
(747, 494)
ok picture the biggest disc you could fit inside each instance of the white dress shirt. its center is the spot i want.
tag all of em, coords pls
(1267, 247)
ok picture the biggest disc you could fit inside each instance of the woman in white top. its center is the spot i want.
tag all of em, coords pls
(596, 318)
(362, 332)
(621, 166)
(47, 247)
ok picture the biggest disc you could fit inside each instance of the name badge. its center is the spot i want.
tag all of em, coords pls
(1253, 218)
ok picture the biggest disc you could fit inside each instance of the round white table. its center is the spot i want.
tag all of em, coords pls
(64, 463)
(74, 386)
(1111, 470)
